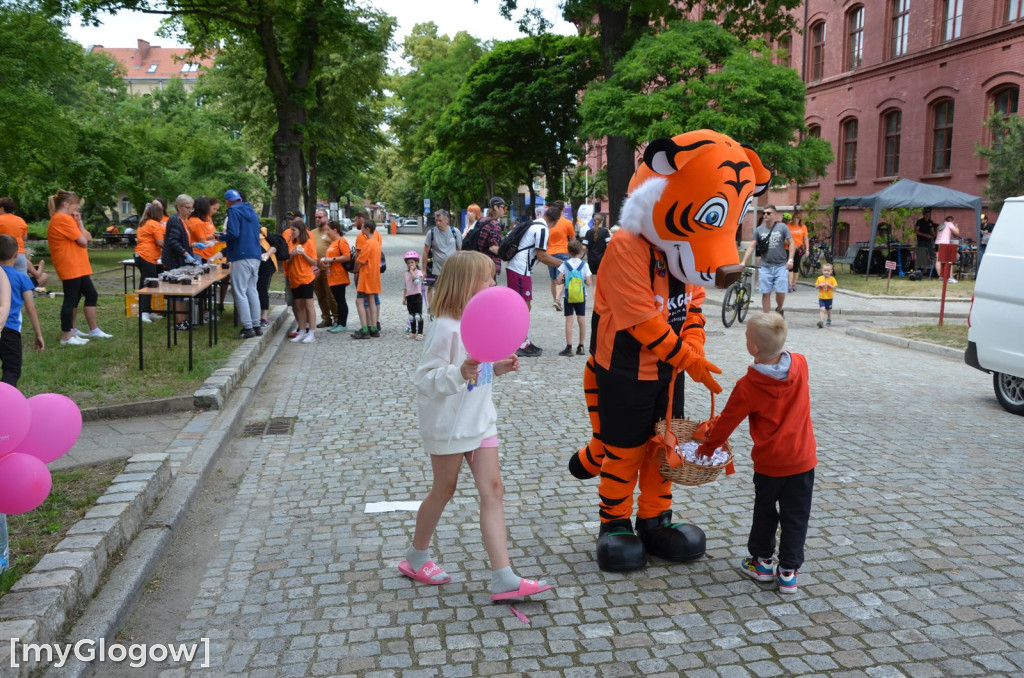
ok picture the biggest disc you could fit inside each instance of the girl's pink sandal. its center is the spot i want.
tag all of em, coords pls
(527, 587)
(424, 574)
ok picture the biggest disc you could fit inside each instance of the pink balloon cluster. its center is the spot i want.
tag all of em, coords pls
(33, 432)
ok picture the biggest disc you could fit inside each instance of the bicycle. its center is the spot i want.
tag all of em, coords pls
(811, 263)
(737, 298)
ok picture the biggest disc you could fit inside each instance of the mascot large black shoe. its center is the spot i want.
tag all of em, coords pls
(678, 236)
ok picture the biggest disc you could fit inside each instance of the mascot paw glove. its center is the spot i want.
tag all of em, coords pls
(700, 371)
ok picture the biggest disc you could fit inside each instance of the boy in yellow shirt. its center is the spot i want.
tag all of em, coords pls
(826, 285)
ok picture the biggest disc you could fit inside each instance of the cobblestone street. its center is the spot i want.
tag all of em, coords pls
(914, 554)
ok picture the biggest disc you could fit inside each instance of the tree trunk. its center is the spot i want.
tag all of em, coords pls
(268, 205)
(287, 161)
(620, 152)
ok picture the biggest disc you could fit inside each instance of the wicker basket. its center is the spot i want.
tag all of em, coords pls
(689, 473)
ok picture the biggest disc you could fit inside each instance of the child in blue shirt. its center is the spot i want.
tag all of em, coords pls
(22, 289)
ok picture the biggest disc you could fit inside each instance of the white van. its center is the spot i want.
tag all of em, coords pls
(995, 340)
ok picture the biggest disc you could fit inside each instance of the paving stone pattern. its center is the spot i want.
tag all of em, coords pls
(913, 556)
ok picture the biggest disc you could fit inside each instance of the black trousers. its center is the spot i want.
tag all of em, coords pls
(784, 501)
(339, 297)
(10, 355)
(146, 270)
(414, 302)
(263, 276)
(74, 290)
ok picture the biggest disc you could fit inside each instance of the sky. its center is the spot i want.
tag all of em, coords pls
(480, 19)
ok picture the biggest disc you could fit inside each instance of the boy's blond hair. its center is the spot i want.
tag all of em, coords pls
(462, 273)
(828, 266)
(768, 331)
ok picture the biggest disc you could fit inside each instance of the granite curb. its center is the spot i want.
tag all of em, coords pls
(926, 347)
(124, 523)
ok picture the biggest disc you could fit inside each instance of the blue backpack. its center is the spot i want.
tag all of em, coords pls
(574, 285)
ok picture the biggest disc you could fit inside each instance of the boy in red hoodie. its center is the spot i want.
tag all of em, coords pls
(775, 397)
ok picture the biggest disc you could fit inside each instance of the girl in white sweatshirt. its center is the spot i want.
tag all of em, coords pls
(458, 421)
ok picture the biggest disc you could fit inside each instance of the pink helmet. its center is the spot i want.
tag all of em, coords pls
(412, 254)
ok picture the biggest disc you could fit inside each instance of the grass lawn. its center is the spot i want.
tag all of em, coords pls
(900, 287)
(950, 334)
(106, 372)
(36, 533)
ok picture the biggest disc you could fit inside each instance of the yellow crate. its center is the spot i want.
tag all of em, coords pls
(157, 303)
(131, 305)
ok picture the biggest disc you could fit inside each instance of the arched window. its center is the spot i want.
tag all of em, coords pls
(784, 47)
(818, 51)
(1004, 104)
(900, 27)
(942, 136)
(855, 38)
(848, 145)
(892, 125)
(952, 18)
(1014, 10)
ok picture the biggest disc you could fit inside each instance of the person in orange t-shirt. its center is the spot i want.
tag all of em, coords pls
(69, 242)
(798, 230)
(13, 225)
(200, 229)
(149, 243)
(367, 266)
(301, 261)
(338, 254)
(559, 236)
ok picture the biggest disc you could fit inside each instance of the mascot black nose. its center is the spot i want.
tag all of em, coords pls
(727, 275)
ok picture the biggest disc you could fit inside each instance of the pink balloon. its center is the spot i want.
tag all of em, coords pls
(495, 323)
(15, 418)
(24, 483)
(55, 426)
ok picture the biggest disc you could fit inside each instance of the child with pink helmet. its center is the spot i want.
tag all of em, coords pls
(412, 295)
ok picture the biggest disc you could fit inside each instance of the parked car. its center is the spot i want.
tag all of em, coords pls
(346, 224)
(132, 221)
(411, 223)
(996, 318)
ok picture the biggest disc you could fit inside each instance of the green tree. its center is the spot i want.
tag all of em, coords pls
(291, 40)
(697, 75)
(620, 23)
(518, 108)
(1005, 159)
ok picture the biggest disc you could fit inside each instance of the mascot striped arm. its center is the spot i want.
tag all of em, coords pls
(678, 236)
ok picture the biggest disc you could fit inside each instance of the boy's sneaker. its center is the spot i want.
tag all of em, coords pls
(359, 334)
(264, 323)
(337, 328)
(299, 336)
(787, 581)
(759, 569)
(566, 351)
(557, 305)
(258, 330)
(310, 338)
(99, 334)
(375, 333)
(580, 351)
(74, 341)
(820, 324)
(144, 317)
(247, 333)
(829, 322)
(75, 332)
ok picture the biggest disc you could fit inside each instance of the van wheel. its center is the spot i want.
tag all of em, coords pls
(1009, 392)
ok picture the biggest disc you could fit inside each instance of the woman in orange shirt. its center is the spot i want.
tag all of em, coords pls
(300, 278)
(338, 254)
(69, 241)
(200, 228)
(149, 243)
(799, 232)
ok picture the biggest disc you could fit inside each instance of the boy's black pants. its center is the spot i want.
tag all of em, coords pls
(10, 356)
(792, 495)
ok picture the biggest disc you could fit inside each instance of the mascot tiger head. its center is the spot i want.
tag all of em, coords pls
(689, 196)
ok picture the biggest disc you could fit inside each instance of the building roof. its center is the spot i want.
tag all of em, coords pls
(152, 62)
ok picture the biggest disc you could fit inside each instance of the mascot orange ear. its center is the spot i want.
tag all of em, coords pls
(762, 174)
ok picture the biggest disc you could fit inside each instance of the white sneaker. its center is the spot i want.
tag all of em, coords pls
(310, 338)
(298, 337)
(99, 334)
(144, 317)
(953, 280)
(74, 341)
(75, 332)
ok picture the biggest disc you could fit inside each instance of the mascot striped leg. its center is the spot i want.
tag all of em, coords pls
(586, 463)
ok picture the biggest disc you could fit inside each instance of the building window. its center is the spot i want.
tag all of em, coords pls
(1004, 104)
(855, 38)
(1014, 9)
(152, 68)
(818, 51)
(189, 68)
(848, 143)
(126, 206)
(952, 17)
(784, 50)
(900, 27)
(892, 124)
(942, 136)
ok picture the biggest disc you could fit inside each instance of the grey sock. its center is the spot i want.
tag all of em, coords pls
(505, 580)
(417, 558)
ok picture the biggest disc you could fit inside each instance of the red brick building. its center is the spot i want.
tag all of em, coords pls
(902, 88)
(150, 67)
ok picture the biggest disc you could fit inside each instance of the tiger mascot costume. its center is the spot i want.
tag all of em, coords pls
(678, 236)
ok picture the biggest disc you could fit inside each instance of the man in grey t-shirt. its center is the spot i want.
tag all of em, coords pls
(777, 260)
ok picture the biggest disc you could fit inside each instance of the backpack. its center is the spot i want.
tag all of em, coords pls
(574, 283)
(761, 248)
(472, 238)
(509, 246)
(383, 262)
